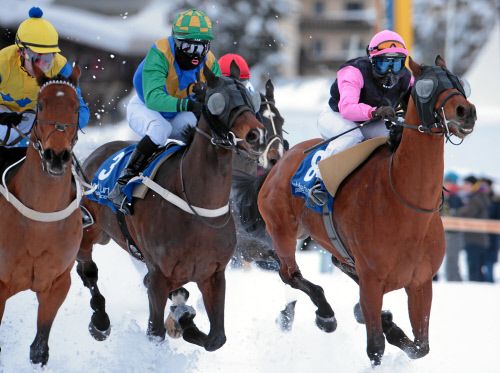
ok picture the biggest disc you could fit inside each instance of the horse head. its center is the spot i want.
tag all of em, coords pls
(55, 131)
(439, 98)
(273, 123)
(230, 112)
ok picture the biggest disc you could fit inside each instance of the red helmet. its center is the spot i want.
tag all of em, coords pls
(225, 63)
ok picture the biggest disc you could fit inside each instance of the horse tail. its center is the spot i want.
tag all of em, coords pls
(246, 189)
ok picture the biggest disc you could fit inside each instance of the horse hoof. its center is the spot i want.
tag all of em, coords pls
(102, 332)
(358, 314)
(327, 324)
(215, 343)
(39, 357)
(286, 317)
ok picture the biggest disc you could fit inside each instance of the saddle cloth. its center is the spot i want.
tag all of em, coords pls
(333, 169)
(108, 173)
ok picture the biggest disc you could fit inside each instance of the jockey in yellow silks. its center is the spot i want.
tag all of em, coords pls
(164, 105)
(36, 44)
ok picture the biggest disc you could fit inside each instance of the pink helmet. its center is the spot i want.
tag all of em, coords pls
(386, 42)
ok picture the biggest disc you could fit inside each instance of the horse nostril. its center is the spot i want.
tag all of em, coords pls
(252, 137)
(461, 111)
(48, 154)
(65, 156)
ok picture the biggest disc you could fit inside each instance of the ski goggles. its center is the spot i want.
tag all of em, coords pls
(42, 59)
(383, 64)
(386, 45)
(193, 48)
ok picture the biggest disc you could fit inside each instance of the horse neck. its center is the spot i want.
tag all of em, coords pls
(418, 164)
(37, 189)
(207, 171)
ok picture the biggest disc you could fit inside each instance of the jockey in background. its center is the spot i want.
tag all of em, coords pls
(245, 75)
(36, 45)
(369, 87)
(165, 101)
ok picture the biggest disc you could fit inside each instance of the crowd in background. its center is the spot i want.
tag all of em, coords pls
(471, 197)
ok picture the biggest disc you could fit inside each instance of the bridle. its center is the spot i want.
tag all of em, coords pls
(35, 139)
(269, 113)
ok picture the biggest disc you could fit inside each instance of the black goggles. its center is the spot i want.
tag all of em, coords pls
(193, 48)
(383, 64)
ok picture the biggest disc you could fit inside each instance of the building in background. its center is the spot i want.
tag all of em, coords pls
(331, 32)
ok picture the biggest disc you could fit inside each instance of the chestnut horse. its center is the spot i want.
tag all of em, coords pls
(179, 247)
(41, 224)
(386, 214)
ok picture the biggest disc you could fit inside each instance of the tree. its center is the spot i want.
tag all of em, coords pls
(247, 27)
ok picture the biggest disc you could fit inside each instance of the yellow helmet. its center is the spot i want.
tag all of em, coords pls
(37, 34)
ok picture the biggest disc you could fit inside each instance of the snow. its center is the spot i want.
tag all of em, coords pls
(463, 331)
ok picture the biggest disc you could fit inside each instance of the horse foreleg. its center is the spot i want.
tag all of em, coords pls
(371, 295)
(99, 326)
(213, 290)
(419, 306)
(290, 274)
(48, 304)
(158, 290)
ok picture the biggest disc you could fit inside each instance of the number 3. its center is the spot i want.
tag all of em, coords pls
(103, 175)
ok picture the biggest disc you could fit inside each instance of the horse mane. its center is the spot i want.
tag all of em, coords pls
(395, 135)
(188, 134)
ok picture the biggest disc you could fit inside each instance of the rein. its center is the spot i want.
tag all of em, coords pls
(405, 202)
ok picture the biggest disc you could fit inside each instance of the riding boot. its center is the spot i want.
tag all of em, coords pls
(136, 163)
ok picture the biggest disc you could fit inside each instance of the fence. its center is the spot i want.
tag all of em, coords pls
(471, 225)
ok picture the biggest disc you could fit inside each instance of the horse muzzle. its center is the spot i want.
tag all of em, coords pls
(55, 163)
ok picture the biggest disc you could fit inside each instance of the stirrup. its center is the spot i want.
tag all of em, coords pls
(87, 218)
(317, 195)
(125, 207)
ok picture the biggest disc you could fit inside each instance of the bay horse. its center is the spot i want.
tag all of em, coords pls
(386, 214)
(254, 246)
(40, 224)
(179, 247)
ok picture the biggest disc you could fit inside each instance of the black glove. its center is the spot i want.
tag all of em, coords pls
(384, 112)
(10, 118)
(195, 107)
(200, 91)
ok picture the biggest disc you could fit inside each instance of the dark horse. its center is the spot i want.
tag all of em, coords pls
(179, 247)
(40, 224)
(386, 214)
(253, 245)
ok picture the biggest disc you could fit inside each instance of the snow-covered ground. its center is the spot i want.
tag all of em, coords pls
(463, 330)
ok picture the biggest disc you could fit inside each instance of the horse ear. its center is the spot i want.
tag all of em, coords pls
(75, 75)
(209, 76)
(440, 61)
(269, 90)
(415, 68)
(234, 70)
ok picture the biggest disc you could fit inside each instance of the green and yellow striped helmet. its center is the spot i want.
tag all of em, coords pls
(192, 24)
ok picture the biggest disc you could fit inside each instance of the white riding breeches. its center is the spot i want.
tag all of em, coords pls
(24, 126)
(331, 123)
(144, 121)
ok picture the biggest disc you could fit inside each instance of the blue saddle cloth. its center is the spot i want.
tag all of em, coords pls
(306, 177)
(108, 173)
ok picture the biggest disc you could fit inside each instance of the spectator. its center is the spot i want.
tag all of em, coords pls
(454, 239)
(476, 206)
(494, 243)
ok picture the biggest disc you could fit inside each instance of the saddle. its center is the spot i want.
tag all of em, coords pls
(336, 168)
